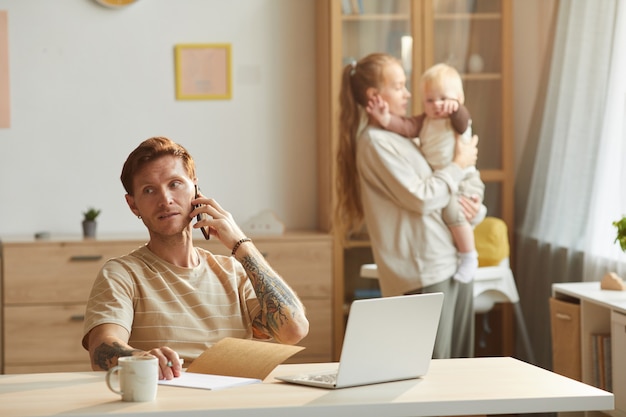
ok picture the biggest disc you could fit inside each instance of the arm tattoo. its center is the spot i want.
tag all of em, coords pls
(277, 300)
(105, 356)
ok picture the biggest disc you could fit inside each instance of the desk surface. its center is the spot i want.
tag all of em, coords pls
(451, 387)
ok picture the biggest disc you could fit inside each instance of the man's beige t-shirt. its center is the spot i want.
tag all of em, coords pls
(160, 304)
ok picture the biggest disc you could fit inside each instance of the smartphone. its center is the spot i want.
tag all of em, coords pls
(205, 231)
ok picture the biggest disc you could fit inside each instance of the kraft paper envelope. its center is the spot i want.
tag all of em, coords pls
(242, 358)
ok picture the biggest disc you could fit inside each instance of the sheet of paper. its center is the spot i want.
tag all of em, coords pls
(242, 358)
(205, 381)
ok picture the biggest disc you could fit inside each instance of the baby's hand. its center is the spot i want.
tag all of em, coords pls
(379, 110)
(450, 105)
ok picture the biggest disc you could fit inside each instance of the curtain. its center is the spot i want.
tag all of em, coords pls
(608, 195)
(570, 186)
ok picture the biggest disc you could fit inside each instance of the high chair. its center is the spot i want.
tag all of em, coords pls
(494, 281)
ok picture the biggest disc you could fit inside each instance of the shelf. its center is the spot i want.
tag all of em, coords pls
(468, 16)
(492, 175)
(377, 17)
(357, 244)
(482, 76)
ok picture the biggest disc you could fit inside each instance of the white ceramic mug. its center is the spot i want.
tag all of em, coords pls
(137, 377)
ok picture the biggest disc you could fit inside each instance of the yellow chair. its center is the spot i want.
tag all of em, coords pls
(494, 282)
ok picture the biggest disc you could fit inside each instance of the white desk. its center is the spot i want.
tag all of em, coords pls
(452, 387)
(601, 312)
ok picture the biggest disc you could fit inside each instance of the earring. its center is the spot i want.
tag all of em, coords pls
(139, 217)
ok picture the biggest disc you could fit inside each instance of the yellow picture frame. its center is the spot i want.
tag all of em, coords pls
(203, 71)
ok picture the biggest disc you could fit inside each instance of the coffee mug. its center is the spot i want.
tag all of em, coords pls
(137, 378)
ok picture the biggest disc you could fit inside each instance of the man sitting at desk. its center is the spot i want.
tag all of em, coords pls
(171, 299)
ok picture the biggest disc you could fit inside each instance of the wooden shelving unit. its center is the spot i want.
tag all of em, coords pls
(420, 33)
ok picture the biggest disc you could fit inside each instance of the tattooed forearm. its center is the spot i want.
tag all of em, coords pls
(105, 356)
(278, 302)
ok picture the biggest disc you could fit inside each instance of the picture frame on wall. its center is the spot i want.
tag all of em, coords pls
(203, 71)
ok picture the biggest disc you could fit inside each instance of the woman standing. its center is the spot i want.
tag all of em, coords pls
(385, 181)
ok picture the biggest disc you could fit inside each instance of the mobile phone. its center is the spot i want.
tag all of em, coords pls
(205, 231)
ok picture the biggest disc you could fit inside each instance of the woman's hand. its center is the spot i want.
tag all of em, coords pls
(471, 206)
(465, 153)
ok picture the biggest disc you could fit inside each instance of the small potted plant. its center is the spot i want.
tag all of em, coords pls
(612, 281)
(89, 222)
(621, 232)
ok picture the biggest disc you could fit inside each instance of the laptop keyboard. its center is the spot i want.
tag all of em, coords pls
(324, 378)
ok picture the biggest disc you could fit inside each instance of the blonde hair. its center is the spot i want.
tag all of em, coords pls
(442, 75)
(356, 79)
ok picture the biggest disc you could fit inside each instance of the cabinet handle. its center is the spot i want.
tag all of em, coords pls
(77, 317)
(563, 316)
(85, 258)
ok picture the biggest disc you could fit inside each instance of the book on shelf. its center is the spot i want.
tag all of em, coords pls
(608, 363)
(356, 6)
(601, 371)
(346, 6)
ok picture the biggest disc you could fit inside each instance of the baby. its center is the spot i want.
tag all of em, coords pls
(435, 132)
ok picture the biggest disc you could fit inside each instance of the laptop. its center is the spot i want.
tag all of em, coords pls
(386, 339)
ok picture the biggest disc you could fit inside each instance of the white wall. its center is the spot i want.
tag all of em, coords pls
(89, 83)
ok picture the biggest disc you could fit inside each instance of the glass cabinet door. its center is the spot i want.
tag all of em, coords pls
(469, 35)
(369, 26)
(377, 26)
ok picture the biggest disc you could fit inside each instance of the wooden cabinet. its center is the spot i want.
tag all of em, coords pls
(46, 284)
(600, 316)
(472, 35)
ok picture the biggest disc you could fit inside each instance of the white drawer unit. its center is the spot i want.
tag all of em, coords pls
(602, 323)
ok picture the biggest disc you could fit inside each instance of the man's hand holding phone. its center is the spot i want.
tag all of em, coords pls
(200, 217)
